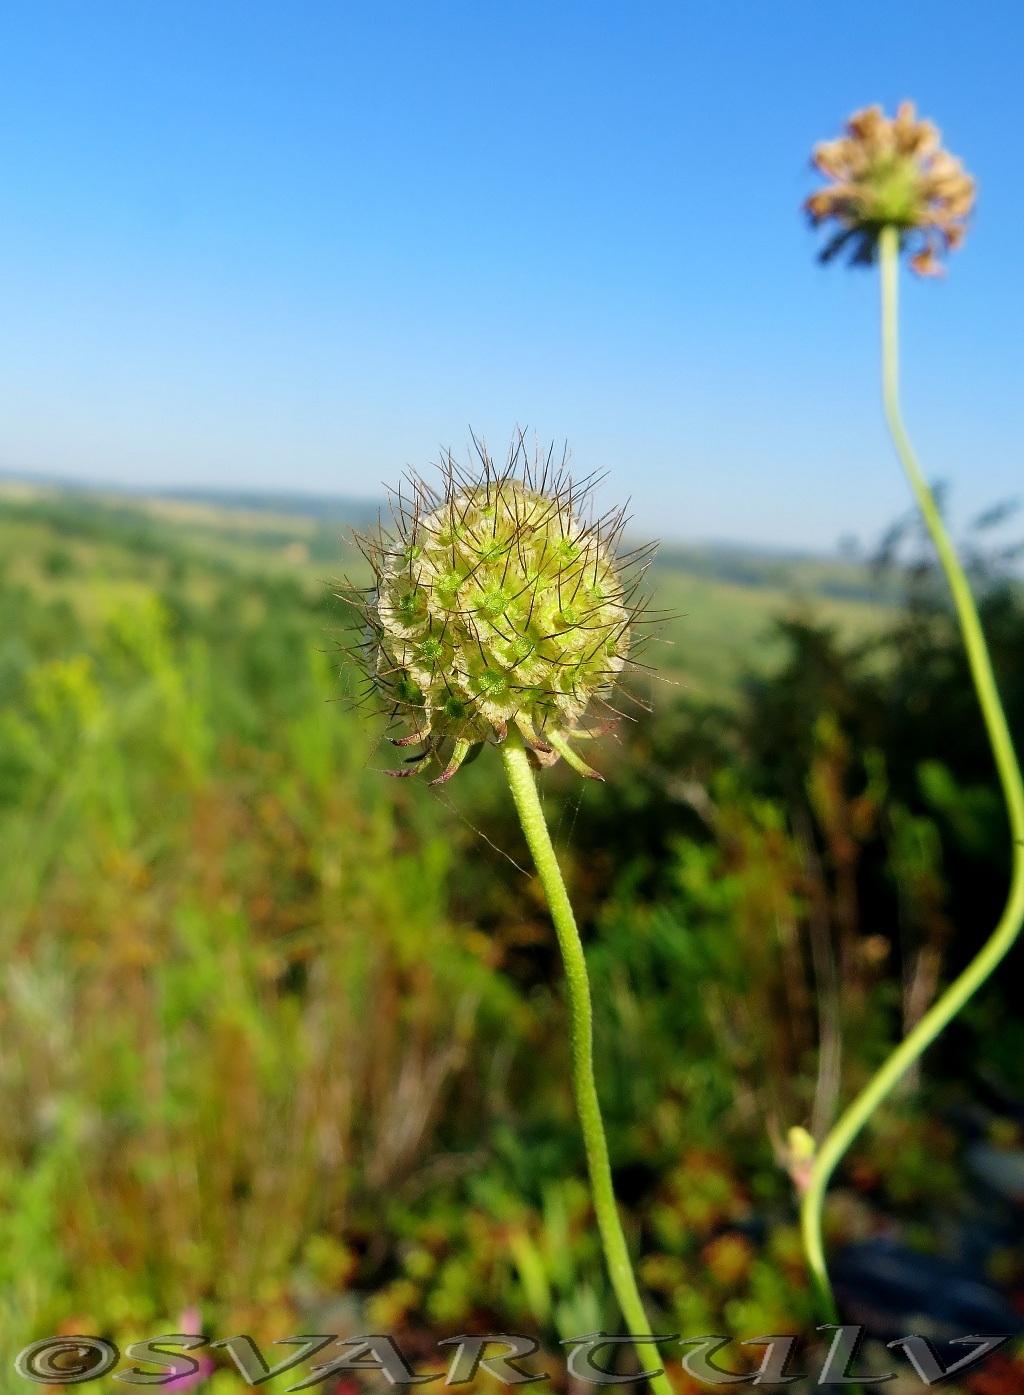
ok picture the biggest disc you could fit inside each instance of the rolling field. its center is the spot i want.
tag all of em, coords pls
(719, 605)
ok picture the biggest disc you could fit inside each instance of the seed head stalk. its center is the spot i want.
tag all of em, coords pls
(962, 988)
(501, 611)
(531, 816)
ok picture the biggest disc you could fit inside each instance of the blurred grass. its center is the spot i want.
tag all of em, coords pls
(285, 1040)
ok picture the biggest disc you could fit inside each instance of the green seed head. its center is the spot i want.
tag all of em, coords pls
(497, 599)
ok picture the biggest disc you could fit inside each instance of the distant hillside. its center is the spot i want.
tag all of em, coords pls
(337, 509)
(804, 573)
(273, 515)
(744, 565)
(719, 603)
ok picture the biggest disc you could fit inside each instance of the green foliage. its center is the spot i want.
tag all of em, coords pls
(277, 1034)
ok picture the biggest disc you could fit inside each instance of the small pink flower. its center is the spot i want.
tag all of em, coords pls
(190, 1322)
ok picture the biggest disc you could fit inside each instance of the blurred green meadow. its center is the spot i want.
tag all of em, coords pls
(284, 1041)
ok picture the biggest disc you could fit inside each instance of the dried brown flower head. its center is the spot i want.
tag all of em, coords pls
(891, 173)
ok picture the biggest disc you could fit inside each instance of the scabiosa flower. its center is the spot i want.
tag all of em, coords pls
(894, 189)
(498, 598)
(891, 173)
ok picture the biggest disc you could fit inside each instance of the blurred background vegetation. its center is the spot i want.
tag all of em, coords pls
(284, 1041)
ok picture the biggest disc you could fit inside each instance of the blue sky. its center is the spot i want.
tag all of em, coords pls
(303, 244)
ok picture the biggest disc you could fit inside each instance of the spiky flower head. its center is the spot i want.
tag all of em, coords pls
(497, 598)
(891, 173)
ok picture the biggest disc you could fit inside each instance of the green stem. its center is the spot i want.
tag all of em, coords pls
(961, 989)
(531, 816)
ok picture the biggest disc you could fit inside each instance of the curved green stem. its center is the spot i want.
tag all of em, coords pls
(620, 1270)
(961, 989)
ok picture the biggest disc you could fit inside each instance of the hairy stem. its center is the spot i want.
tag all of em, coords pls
(961, 989)
(531, 816)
